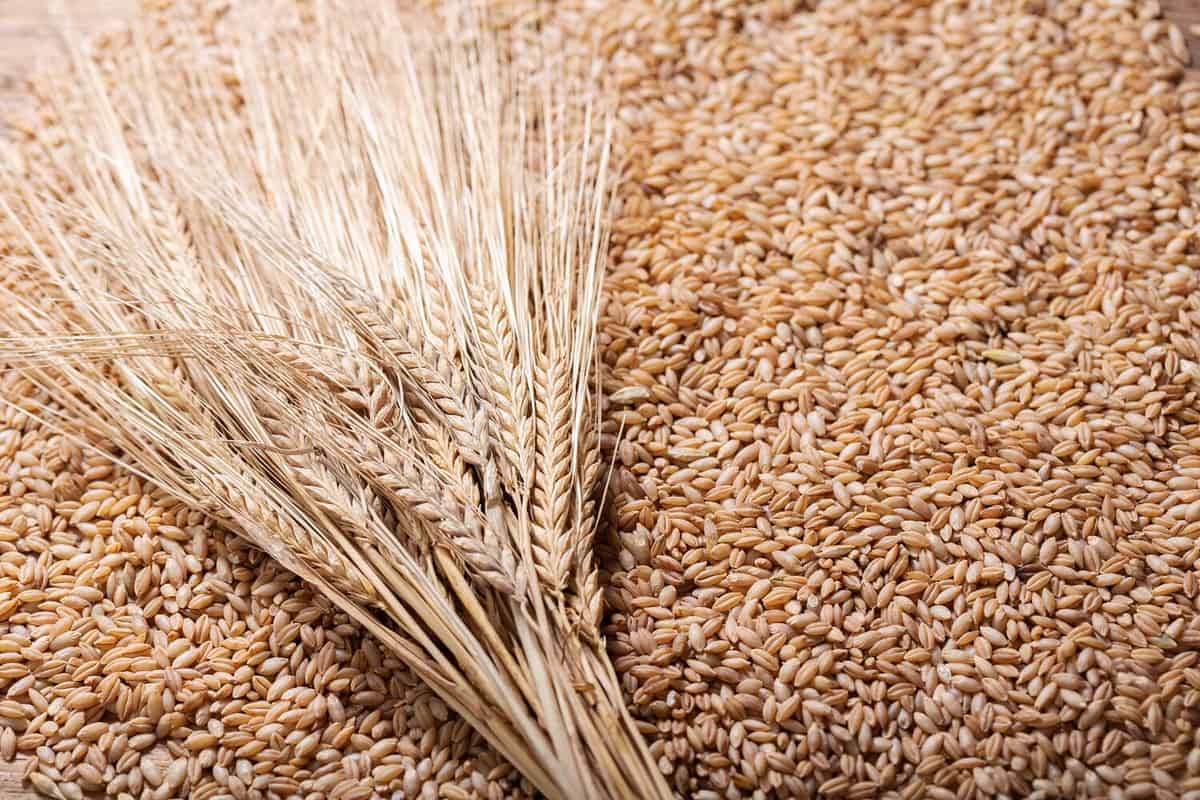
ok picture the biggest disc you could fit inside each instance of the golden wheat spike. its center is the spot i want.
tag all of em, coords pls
(344, 300)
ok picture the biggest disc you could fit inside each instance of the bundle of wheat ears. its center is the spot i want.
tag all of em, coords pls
(359, 329)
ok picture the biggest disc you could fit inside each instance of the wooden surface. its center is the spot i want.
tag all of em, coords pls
(27, 37)
(27, 34)
(11, 787)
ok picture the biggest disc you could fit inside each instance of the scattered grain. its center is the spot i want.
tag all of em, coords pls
(905, 497)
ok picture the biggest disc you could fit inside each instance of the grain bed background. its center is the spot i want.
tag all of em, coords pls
(28, 38)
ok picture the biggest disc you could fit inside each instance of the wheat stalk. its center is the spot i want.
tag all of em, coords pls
(355, 320)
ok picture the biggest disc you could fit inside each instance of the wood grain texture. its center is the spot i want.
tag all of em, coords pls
(28, 38)
(11, 787)
(28, 35)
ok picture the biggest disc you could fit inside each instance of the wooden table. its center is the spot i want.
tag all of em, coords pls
(27, 34)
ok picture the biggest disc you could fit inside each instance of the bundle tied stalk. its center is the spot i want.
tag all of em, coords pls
(338, 288)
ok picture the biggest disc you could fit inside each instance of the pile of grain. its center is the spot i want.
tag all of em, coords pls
(144, 652)
(901, 334)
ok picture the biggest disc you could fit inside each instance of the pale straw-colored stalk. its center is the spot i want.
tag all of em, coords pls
(352, 315)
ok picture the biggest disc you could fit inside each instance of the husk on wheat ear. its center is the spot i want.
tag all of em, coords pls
(341, 295)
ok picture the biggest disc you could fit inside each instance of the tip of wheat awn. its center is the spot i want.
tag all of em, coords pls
(356, 323)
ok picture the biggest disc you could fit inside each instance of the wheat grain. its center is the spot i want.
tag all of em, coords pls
(222, 616)
(887, 337)
(899, 341)
(377, 519)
